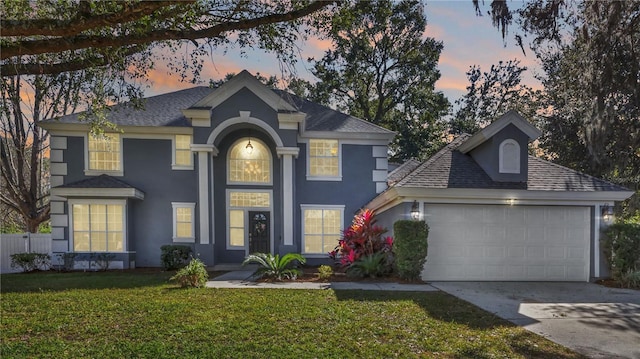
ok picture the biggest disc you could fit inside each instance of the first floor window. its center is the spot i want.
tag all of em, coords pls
(183, 223)
(98, 227)
(321, 227)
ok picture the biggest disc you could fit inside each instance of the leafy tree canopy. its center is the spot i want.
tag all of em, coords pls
(383, 69)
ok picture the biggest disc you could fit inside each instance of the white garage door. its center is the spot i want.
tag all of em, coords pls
(494, 242)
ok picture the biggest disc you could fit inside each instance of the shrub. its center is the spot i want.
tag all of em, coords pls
(372, 265)
(325, 272)
(194, 274)
(274, 266)
(410, 248)
(174, 256)
(29, 262)
(102, 260)
(364, 239)
(622, 247)
(67, 261)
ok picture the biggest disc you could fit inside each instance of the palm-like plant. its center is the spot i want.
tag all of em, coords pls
(274, 266)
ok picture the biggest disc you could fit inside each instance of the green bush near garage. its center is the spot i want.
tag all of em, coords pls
(410, 248)
(622, 248)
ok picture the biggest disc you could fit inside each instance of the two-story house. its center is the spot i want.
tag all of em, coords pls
(230, 171)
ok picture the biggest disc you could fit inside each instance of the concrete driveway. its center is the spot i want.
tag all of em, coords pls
(596, 321)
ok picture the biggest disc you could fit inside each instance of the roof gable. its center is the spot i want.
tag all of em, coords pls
(235, 84)
(511, 117)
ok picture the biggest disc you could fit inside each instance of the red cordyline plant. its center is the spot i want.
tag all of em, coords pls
(363, 238)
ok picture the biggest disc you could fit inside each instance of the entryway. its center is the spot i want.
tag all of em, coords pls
(259, 238)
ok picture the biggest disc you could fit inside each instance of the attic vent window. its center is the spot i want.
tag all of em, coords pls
(509, 157)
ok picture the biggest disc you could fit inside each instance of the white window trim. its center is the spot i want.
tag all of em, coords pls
(304, 207)
(90, 172)
(246, 210)
(174, 207)
(174, 166)
(323, 178)
(271, 174)
(71, 202)
(501, 166)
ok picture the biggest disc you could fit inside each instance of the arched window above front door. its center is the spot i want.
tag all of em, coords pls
(249, 161)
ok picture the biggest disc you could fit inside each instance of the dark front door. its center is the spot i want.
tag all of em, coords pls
(259, 232)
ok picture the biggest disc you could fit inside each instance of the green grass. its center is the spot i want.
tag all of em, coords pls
(140, 315)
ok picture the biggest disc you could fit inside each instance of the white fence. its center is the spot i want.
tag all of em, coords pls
(21, 243)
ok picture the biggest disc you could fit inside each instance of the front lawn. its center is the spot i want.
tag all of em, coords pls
(127, 315)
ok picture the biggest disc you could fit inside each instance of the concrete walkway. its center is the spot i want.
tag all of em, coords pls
(593, 320)
(243, 279)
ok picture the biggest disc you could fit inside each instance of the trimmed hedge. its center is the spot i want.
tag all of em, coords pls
(410, 248)
(174, 256)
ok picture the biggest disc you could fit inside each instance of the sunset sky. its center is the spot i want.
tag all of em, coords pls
(468, 39)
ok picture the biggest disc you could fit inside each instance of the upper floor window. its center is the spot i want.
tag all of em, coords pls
(104, 152)
(183, 157)
(324, 159)
(249, 162)
(509, 156)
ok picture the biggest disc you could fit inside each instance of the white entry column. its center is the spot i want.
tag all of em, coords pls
(204, 152)
(287, 154)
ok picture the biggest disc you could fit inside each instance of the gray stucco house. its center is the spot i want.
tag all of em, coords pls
(497, 213)
(229, 171)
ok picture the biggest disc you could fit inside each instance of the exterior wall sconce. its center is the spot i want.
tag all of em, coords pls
(511, 201)
(607, 213)
(415, 211)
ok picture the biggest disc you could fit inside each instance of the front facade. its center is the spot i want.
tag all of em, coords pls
(229, 171)
(496, 213)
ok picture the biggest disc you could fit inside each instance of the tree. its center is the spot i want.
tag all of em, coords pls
(491, 94)
(65, 55)
(383, 69)
(89, 34)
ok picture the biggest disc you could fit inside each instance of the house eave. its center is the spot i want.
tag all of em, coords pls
(83, 128)
(388, 137)
(396, 195)
(66, 192)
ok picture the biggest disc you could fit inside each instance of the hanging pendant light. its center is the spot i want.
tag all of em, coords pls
(249, 147)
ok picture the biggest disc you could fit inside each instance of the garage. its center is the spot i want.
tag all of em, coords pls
(507, 243)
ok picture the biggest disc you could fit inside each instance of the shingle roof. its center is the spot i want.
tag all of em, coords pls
(161, 110)
(449, 168)
(166, 110)
(402, 170)
(102, 181)
(323, 118)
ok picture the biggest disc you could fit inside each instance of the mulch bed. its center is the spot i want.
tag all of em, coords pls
(310, 274)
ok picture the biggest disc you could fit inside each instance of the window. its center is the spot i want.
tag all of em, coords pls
(509, 157)
(183, 157)
(249, 162)
(321, 228)
(239, 204)
(324, 158)
(98, 227)
(183, 222)
(104, 152)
